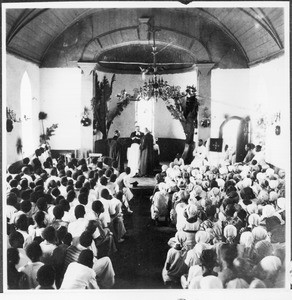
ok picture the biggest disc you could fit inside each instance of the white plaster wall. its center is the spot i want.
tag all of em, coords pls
(269, 88)
(240, 92)
(230, 96)
(61, 100)
(15, 69)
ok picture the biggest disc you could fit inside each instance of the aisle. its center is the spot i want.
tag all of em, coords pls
(140, 259)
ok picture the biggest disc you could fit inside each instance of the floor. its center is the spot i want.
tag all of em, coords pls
(140, 259)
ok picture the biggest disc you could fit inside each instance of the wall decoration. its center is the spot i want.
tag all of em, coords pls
(99, 104)
(19, 146)
(10, 119)
(50, 131)
(85, 120)
(206, 118)
(42, 117)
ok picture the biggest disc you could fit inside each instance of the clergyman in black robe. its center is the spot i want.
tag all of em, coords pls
(147, 154)
(116, 150)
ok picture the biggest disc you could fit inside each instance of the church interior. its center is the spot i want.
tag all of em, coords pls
(78, 78)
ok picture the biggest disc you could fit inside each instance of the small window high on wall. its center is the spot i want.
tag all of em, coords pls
(26, 116)
(145, 114)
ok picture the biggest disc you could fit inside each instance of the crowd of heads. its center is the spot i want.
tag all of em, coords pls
(45, 197)
(230, 222)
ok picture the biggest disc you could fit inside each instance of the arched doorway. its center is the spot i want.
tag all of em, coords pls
(234, 132)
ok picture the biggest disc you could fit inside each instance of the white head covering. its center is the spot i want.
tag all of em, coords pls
(263, 195)
(259, 233)
(260, 176)
(199, 247)
(237, 283)
(269, 172)
(273, 196)
(210, 282)
(230, 231)
(162, 186)
(202, 236)
(257, 284)
(252, 208)
(263, 248)
(271, 264)
(246, 239)
(164, 168)
(254, 220)
(273, 183)
(281, 202)
(246, 182)
(191, 210)
(268, 211)
(220, 182)
(181, 237)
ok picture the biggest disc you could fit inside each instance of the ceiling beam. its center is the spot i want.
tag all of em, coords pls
(26, 17)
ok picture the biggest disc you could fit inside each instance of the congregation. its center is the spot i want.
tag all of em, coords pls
(230, 223)
(65, 222)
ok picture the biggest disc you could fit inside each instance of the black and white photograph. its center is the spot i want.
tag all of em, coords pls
(146, 149)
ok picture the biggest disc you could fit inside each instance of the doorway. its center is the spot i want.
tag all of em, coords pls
(234, 132)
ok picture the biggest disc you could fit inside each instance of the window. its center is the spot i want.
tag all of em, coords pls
(26, 114)
(145, 114)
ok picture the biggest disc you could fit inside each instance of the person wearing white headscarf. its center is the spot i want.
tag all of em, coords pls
(230, 233)
(237, 283)
(268, 269)
(159, 207)
(260, 234)
(257, 284)
(244, 247)
(208, 261)
(262, 249)
(174, 266)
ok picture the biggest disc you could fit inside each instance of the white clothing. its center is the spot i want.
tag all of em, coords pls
(133, 156)
(31, 270)
(10, 210)
(78, 276)
(23, 259)
(47, 248)
(77, 227)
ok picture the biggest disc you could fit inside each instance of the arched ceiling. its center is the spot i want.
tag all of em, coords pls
(119, 38)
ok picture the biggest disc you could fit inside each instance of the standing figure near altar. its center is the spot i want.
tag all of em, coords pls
(147, 154)
(200, 155)
(134, 151)
(115, 150)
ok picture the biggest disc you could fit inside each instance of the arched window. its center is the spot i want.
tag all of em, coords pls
(26, 116)
(145, 114)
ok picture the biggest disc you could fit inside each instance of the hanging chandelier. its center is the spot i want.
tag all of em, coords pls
(155, 87)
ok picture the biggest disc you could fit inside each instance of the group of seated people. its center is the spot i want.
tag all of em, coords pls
(64, 222)
(229, 221)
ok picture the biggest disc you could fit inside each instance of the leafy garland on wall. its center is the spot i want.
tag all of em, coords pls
(50, 131)
(183, 106)
(99, 104)
(184, 109)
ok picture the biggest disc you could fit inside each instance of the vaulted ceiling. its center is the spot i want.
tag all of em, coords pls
(121, 38)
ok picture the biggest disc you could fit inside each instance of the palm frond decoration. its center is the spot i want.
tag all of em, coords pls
(50, 131)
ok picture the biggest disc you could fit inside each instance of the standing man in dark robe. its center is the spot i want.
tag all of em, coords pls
(147, 154)
(116, 150)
